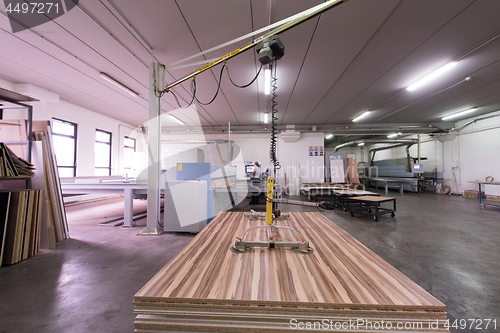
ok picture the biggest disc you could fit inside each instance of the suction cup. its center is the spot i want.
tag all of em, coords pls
(236, 250)
(307, 251)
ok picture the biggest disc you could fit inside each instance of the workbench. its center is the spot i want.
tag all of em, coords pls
(130, 190)
(208, 288)
(313, 190)
(370, 205)
(341, 197)
(485, 202)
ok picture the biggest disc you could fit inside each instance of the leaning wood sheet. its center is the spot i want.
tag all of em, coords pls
(341, 270)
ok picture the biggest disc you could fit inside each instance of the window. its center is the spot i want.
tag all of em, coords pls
(102, 153)
(64, 137)
(129, 149)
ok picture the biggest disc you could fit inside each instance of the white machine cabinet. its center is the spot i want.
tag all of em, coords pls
(185, 206)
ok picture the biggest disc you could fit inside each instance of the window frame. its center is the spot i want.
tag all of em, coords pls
(110, 149)
(75, 138)
(128, 147)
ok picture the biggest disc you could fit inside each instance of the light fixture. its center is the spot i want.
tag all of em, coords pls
(428, 78)
(390, 136)
(118, 84)
(177, 120)
(329, 136)
(266, 117)
(361, 116)
(459, 114)
(267, 81)
(361, 144)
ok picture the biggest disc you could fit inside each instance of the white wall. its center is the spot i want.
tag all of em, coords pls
(247, 148)
(295, 155)
(477, 148)
(470, 154)
(255, 147)
(88, 121)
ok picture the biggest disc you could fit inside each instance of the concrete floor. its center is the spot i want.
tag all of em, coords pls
(448, 245)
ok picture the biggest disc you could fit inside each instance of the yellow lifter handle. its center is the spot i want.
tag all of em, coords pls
(269, 203)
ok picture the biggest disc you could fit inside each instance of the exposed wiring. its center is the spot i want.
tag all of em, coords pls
(193, 83)
(216, 93)
(246, 85)
(274, 130)
(193, 88)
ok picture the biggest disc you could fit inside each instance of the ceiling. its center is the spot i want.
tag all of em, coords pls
(358, 56)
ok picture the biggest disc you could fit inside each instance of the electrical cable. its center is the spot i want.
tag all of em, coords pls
(246, 85)
(177, 100)
(274, 130)
(216, 93)
(193, 88)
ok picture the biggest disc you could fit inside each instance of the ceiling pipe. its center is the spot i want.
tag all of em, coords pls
(408, 145)
(375, 141)
(472, 121)
(342, 129)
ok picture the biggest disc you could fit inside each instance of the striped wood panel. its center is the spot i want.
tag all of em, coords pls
(340, 271)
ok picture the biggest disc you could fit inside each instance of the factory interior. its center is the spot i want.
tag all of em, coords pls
(249, 166)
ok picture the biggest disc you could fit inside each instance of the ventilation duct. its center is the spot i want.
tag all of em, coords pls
(290, 135)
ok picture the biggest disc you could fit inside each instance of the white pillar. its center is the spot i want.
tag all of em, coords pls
(156, 82)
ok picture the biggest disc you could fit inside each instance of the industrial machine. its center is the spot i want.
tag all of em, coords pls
(395, 171)
(197, 193)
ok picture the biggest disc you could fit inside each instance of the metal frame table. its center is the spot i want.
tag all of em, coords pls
(130, 192)
(340, 197)
(485, 202)
(370, 205)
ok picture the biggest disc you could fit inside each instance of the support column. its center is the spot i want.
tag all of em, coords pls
(128, 211)
(156, 82)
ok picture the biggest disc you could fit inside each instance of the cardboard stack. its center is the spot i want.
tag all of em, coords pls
(473, 194)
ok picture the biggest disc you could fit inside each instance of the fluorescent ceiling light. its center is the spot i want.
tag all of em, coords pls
(266, 117)
(118, 84)
(362, 116)
(432, 76)
(458, 114)
(176, 119)
(390, 136)
(329, 136)
(361, 144)
(267, 81)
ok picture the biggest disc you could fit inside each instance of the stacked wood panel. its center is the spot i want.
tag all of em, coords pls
(20, 225)
(12, 166)
(342, 285)
(56, 214)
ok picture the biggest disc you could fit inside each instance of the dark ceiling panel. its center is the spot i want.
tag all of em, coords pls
(408, 26)
(360, 56)
(337, 41)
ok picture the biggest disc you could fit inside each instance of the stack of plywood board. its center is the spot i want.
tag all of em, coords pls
(341, 286)
(20, 225)
(13, 166)
(56, 215)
